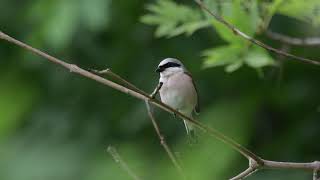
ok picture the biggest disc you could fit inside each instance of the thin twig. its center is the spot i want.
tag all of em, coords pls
(309, 41)
(73, 68)
(245, 173)
(252, 40)
(213, 132)
(163, 141)
(281, 60)
(153, 120)
(119, 78)
(117, 158)
(261, 163)
(253, 167)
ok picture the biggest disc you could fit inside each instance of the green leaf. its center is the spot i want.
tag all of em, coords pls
(173, 19)
(222, 55)
(273, 7)
(244, 15)
(267, 10)
(234, 66)
(258, 57)
(235, 55)
(305, 10)
(189, 28)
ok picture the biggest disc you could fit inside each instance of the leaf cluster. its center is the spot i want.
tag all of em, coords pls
(250, 16)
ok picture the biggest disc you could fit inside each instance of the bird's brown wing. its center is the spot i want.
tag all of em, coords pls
(197, 108)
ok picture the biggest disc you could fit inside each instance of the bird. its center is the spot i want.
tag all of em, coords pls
(177, 89)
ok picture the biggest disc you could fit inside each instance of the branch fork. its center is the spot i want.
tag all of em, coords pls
(236, 31)
(152, 118)
(255, 162)
(253, 167)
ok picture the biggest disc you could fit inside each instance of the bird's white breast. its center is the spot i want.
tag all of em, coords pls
(179, 92)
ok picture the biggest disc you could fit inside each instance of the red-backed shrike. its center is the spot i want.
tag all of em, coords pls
(177, 89)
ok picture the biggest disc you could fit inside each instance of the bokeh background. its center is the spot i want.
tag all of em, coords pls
(57, 125)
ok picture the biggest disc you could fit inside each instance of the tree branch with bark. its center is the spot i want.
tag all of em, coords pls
(237, 32)
(308, 41)
(256, 162)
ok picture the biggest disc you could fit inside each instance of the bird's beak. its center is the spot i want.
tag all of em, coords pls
(158, 70)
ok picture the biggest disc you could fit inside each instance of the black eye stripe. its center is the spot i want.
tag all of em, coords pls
(169, 64)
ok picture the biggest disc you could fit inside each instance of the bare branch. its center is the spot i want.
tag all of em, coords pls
(252, 40)
(267, 164)
(253, 167)
(73, 68)
(255, 161)
(281, 60)
(244, 174)
(153, 120)
(122, 80)
(291, 165)
(117, 158)
(163, 141)
(310, 41)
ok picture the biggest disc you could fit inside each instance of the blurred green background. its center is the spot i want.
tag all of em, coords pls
(58, 125)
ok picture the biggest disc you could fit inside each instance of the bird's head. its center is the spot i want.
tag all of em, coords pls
(170, 66)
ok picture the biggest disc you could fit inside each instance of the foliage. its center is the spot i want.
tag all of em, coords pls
(234, 56)
(307, 10)
(64, 18)
(249, 16)
(173, 19)
(57, 125)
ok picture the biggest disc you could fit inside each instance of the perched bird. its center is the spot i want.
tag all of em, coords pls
(178, 90)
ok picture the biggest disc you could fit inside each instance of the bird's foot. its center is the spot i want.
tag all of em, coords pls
(175, 115)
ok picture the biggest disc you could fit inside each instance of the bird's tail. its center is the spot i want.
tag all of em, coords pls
(190, 131)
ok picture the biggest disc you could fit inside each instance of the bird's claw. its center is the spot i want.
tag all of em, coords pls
(153, 96)
(174, 115)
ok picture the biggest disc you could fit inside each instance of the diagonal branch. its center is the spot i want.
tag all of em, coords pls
(117, 158)
(245, 173)
(153, 120)
(236, 31)
(75, 69)
(253, 167)
(253, 158)
(309, 41)
(119, 78)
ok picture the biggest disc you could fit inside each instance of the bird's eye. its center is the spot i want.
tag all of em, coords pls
(167, 65)
(159, 69)
(170, 64)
